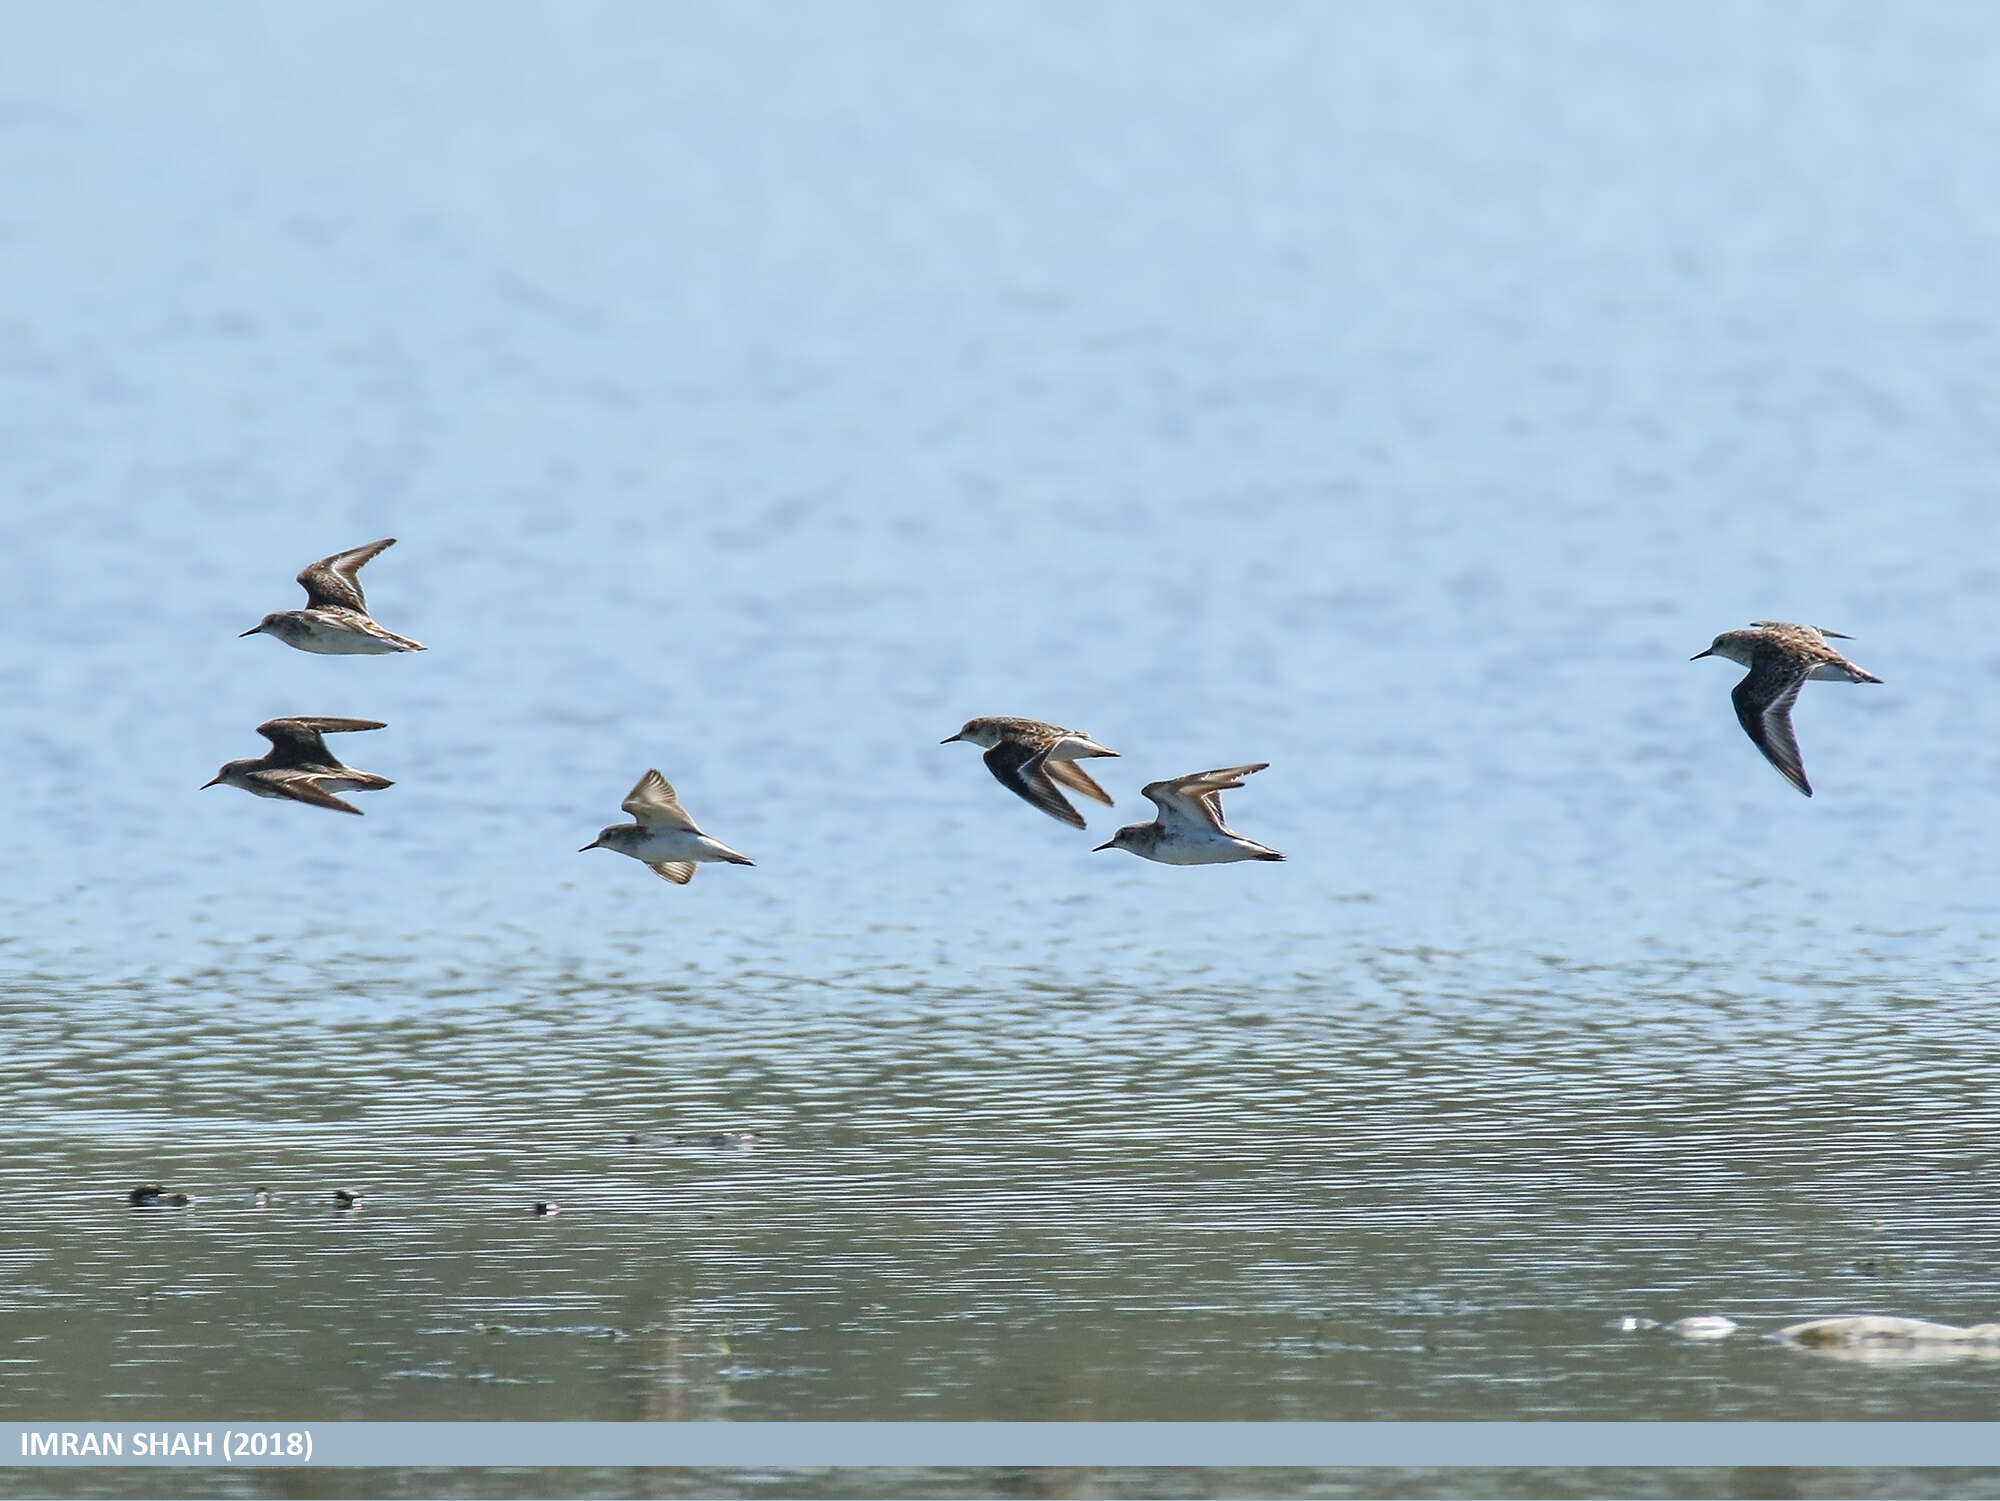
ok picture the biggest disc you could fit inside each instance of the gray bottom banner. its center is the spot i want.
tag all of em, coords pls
(1082, 1445)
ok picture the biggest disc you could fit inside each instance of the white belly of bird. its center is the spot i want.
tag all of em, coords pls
(1070, 748)
(665, 845)
(338, 783)
(339, 641)
(1215, 850)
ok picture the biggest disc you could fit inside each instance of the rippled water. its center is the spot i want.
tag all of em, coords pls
(1396, 394)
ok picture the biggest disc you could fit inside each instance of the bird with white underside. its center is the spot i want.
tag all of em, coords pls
(1030, 758)
(335, 621)
(298, 765)
(662, 837)
(1781, 658)
(1189, 829)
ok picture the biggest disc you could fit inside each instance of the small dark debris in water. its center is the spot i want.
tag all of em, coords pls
(152, 1196)
(342, 1199)
(544, 1208)
(741, 1141)
(1868, 1268)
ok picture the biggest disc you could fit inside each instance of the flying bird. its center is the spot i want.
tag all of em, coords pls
(1189, 829)
(335, 621)
(1781, 657)
(1030, 758)
(300, 767)
(663, 838)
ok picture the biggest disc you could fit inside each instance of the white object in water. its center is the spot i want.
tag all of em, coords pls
(1880, 1329)
(1704, 1326)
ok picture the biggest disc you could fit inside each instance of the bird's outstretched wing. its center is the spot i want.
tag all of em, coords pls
(332, 580)
(1197, 797)
(653, 803)
(1764, 702)
(1072, 775)
(296, 741)
(302, 789)
(1023, 769)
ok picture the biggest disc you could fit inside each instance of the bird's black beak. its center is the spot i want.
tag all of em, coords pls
(254, 630)
(1107, 845)
(1700, 654)
(949, 738)
(594, 844)
(208, 784)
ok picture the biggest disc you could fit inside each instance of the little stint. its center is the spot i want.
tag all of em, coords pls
(300, 767)
(664, 839)
(1781, 657)
(335, 621)
(1028, 758)
(1189, 829)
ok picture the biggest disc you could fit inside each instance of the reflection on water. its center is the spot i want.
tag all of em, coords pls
(1025, 1204)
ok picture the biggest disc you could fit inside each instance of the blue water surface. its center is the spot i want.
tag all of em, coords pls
(1398, 394)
